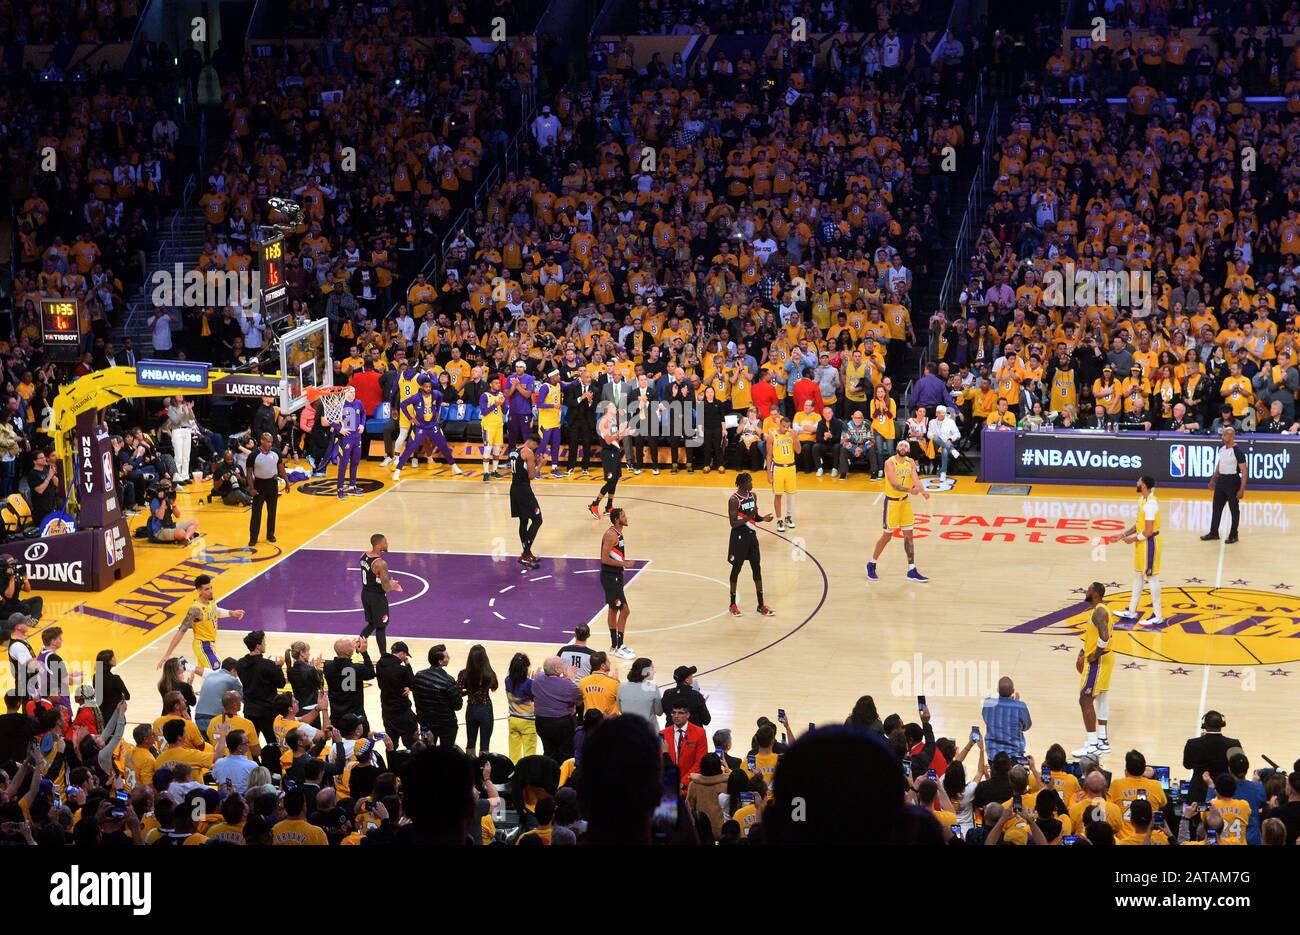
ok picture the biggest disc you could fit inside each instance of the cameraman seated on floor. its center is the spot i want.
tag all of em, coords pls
(162, 525)
(12, 585)
(226, 482)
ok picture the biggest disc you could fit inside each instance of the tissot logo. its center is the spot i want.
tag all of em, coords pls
(92, 889)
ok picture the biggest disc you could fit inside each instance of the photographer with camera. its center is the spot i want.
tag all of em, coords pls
(162, 525)
(43, 482)
(227, 482)
(12, 585)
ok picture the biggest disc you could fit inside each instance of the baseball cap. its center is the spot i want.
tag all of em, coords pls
(682, 673)
(400, 647)
(18, 619)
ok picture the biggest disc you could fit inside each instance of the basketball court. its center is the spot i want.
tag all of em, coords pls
(1007, 577)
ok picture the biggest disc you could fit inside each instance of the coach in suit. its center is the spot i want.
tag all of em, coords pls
(1207, 753)
(686, 743)
(580, 398)
(642, 418)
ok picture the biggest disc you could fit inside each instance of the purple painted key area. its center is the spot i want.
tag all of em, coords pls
(444, 596)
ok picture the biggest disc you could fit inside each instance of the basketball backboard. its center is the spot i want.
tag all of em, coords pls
(304, 361)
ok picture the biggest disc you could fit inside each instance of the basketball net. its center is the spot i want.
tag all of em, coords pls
(332, 401)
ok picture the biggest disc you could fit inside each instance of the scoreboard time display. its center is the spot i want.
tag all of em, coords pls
(271, 269)
(61, 328)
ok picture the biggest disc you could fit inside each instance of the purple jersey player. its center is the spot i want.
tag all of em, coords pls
(422, 409)
(349, 431)
(520, 387)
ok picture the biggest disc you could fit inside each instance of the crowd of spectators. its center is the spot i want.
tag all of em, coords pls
(51, 21)
(1171, 222)
(274, 751)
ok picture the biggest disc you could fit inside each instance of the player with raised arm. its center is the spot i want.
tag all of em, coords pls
(376, 582)
(1147, 548)
(611, 459)
(201, 619)
(613, 560)
(742, 511)
(902, 479)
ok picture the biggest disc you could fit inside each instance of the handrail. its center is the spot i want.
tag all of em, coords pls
(509, 157)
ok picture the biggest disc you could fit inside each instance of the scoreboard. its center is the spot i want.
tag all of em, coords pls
(62, 328)
(271, 270)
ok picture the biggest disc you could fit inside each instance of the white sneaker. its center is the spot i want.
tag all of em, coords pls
(1153, 621)
(397, 474)
(780, 525)
(414, 462)
(455, 469)
(1088, 749)
(654, 471)
(1103, 746)
(1127, 614)
(625, 652)
(789, 523)
(943, 476)
(835, 472)
(386, 462)
(821, 471)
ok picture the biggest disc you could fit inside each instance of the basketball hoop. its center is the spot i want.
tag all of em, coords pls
(332, 400)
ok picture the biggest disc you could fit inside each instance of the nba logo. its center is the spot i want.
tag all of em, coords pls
(1177, 460)
(109, 552)
(108, 472)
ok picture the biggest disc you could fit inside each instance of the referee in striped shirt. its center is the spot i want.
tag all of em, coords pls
(1229, 486)
(265, 470)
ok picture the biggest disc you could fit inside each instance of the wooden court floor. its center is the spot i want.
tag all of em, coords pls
(1006, 578)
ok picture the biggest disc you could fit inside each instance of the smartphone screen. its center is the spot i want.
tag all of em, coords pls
(752, 762)
(1069, 839)
(932, 774)
(1211, 836)
(780, 715)
(1162, 776)
(665, 817)
(975, 734)
(1047, 775)
(1158, 819)
(920, 702)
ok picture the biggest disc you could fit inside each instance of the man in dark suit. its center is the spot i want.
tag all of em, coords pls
(685, 692)
(261, 679)
(643, 425)
(1207, 753)
(686, 743)
(580, 398)
(344, 679)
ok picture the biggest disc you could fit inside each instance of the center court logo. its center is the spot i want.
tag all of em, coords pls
(79, 888)
(1202, 626)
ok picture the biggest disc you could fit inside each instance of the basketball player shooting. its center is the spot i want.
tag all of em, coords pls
(613, 562)
(902, 479)
(1147, 547)
(376, 582)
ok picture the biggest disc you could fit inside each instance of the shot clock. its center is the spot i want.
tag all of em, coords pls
(271, 269)
(61, 328)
